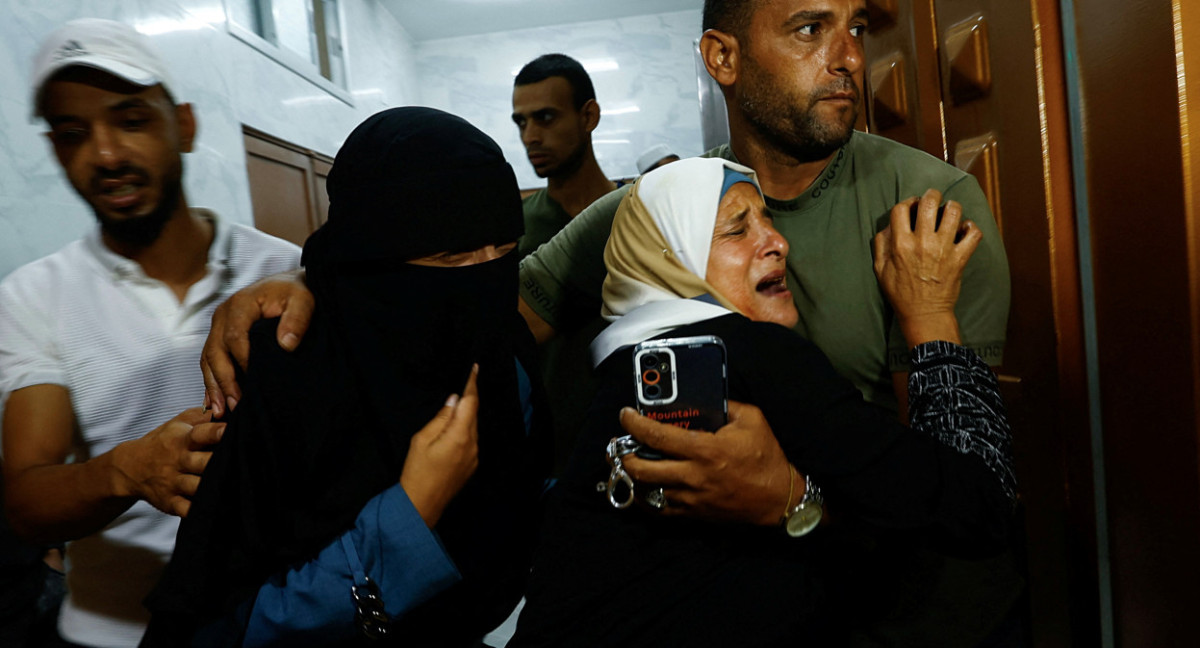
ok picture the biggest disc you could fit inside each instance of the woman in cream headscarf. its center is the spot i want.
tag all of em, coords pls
(693, 252)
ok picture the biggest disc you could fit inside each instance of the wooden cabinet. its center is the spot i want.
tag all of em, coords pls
(287, 186)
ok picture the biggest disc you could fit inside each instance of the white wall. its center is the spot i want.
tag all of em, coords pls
(231, 83)
(472, 76)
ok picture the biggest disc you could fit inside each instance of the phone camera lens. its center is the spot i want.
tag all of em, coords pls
(651, 377)
(649, 360)
(652, 391)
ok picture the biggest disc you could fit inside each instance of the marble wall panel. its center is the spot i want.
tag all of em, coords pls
(229, 83)
(648, 97)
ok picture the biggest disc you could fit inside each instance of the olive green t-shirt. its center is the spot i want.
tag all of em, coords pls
(830, 265)
(565, 361)
(544, 217)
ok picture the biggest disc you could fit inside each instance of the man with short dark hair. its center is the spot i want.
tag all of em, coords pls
(555, 109)
(98, 341)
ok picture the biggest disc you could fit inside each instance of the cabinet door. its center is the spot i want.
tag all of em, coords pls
(287, 187)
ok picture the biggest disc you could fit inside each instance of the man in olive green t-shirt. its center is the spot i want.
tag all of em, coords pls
(555, 110)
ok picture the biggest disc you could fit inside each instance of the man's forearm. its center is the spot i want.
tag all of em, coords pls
(540, 329)
(57, 503)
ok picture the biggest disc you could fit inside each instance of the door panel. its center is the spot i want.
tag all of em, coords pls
(279, 192)
(1135, 95)
(991, 120)
(978, 156)
(903, 98)
(287, 187)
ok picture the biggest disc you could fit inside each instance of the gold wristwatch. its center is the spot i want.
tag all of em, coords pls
(806, 514)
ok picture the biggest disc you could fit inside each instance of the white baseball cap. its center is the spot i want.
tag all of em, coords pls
(114, 47)
(652, 156)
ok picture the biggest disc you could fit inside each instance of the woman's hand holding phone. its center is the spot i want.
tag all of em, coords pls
(737, 474)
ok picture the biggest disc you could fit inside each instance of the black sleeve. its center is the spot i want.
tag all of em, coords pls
(868, 465)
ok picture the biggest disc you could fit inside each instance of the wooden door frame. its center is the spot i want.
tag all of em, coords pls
(314, 165)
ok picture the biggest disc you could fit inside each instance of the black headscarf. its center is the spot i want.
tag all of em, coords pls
(322, 430)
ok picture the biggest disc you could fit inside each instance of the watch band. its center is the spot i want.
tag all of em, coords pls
(807, 513)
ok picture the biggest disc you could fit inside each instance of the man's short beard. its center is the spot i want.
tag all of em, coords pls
(790, 130)
(568, 166)
(142, 231)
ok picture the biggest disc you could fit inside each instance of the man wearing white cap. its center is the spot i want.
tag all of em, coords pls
(654, 157)
(98, 341)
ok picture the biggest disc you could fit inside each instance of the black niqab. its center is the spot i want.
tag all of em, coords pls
(324, 429)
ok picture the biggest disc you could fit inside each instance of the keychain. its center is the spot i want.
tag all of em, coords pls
(619, 447)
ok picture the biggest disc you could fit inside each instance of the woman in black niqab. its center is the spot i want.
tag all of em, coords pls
(322, 430)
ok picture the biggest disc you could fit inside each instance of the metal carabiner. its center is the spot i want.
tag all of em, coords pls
(619, 447)
(617, 476)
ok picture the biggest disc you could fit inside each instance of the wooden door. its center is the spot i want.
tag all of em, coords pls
(287, 187)
(978, 83)
(1138, 92)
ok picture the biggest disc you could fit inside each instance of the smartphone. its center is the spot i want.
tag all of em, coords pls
(683, 382)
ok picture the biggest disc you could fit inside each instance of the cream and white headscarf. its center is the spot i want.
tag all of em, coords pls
(657, 254)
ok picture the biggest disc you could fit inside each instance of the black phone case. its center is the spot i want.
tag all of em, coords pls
(683, 382)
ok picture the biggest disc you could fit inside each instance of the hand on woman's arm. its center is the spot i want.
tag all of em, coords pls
(283, 295)
(443, 455)
(920, 268)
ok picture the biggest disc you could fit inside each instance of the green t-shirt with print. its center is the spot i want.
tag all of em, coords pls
(829, 229)
(544, 217)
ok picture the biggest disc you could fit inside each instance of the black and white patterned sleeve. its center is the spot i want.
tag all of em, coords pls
(953, 396)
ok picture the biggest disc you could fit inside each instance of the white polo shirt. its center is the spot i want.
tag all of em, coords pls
(128, 352)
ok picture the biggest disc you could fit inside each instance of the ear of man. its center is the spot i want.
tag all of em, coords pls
(721, 53)
(185, 121)
(591, 114)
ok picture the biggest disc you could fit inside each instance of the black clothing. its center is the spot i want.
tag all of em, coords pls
(322, 430)
(410, 182)
(634, 578)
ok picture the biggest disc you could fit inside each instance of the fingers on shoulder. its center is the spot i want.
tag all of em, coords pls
(970, 238)
(951, 217)
(295, 318)
(901, 216)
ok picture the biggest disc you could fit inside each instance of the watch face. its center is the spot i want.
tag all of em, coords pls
(804, 519)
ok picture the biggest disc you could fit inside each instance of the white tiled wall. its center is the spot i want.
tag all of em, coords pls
(655, 74)
(231, 83)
